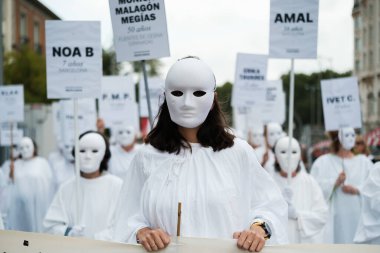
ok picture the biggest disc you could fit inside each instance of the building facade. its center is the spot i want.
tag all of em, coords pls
(366, 16)
(24, 23)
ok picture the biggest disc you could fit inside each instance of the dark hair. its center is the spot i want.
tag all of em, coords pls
(335, 143)
(35, 153)
(107, 155)
(212, 133)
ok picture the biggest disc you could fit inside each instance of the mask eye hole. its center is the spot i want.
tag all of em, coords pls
(283, 152)
(94, 151)
(177, 93)
(294, 151)
(199, 93)
(128, 132)
(81, 151)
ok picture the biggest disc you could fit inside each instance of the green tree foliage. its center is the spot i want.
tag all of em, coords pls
(25, 66)
(307, 95)
(152, 67)
(110, 65)
(224, 98)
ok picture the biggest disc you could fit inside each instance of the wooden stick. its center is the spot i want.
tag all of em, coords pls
(179, 219)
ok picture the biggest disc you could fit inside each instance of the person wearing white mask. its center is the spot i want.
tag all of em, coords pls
(30, 189)
(307, 209)
(341, 175)
(256, 136)
(368, 230)
(62, 165)
(123, 152)
(99, 192)
(272, 132)
(190, 156)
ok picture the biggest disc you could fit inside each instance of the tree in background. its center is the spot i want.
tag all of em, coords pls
(224, 98)
(307, 95)
(152, 66)
(25, 66)
(110, 65)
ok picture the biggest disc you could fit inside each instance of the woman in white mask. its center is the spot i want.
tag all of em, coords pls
(30, 189)
(307, 209)
(272, 132)
(123, 152)
(191, 157)
(99, 192)
(340, 175)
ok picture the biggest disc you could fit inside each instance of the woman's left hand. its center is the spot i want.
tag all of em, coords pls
(252, 239)
(349, 189)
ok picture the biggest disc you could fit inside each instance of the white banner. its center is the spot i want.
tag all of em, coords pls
(73, 59)
(5, 138)
(12, 103)
(17, 241)
(86, 118)
(293, 28)
(117, 105)
(156, 92)
(250, 68)
(139, 29)
(341, 104)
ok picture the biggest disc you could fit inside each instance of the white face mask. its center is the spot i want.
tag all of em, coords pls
(26, 148)
(257, 136)
(67, 150)
(91, 152)
(274, 132)
(347, 138)
(281, 152)
(125, 136)
(189, 92)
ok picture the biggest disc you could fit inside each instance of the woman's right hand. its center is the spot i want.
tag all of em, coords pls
(340, 180)
(153, 239)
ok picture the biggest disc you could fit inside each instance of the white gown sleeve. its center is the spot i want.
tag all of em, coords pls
(56, 220)
(312, 222)
(267, 202)
(325, 180)
(128, 218)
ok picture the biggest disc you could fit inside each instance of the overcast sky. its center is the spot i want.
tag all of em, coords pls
(217, 30)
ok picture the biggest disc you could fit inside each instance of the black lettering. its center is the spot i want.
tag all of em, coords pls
(290, 18)
(278, 18)
(89, 51)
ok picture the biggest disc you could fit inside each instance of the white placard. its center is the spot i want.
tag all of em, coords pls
(341, 104)
(293, 28)
(117, 105)
(156, 92)
(272, 108)
(73, 59)
(139, 29)
(5, 138)
(250, 68)
(12, 103)
(86, 118)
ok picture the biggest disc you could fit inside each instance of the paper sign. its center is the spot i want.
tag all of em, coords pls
(341, 104)
(5, 138)
(156, 92)
(117, 105)
(293, 28)
(139, 28)
(12, 103)
(250, 68)
(73, 59)
(86, 119)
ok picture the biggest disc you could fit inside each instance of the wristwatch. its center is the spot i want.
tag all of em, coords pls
(264, 226)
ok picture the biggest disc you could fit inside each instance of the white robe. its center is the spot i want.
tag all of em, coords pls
(98, 201)
(120, 161)
(30, 194)
(269, 165)
(369, 223)
(221, 193)
(344, 209)
(63, 170)
(311, 208)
